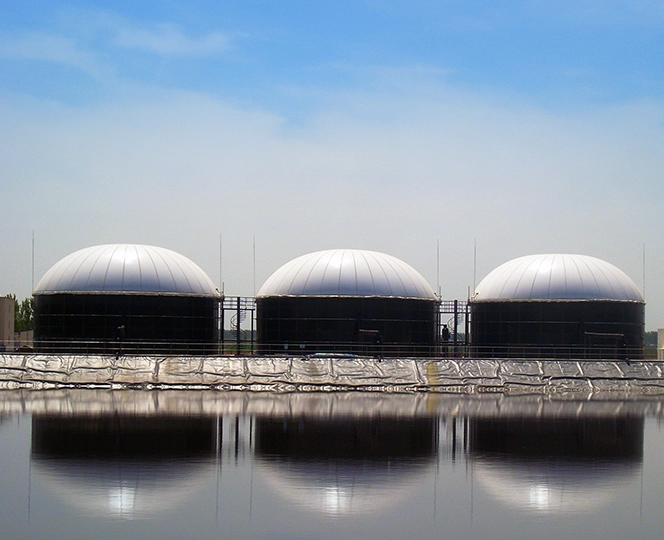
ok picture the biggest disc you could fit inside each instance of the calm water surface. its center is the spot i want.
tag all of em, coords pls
(195, 465)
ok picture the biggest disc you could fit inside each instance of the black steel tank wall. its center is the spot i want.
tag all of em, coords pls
(569, 439)
(602, 326)
(100, 322)
(346, 324)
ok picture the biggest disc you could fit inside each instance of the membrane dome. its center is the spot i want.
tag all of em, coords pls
(126, 268)
(557, 277)
(348, 273)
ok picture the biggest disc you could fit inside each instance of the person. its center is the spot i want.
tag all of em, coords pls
(446, 333)
(119, 337)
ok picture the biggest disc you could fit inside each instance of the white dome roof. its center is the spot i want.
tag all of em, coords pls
(347, 272)
(123, 268)
(557, 277)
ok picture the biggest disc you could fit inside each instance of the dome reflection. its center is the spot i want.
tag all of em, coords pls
(344, 466)
(556, 465)
(121, 465)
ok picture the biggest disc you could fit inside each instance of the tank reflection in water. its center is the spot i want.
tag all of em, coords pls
(345, 465)
(122, 465)
(341, 465)
(556, 465)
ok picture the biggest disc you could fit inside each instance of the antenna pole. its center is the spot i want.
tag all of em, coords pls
(644, 271)
(474, 264)
(33, 260)
(438, 266)
(221, 275)
(254, 265)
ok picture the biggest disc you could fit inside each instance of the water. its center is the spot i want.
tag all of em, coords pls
(130, 464)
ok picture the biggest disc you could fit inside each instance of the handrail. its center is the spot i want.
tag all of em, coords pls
(394, 350)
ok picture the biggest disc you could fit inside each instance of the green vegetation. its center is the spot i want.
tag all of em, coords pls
(24, 317)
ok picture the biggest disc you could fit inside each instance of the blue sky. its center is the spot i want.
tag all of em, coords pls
(555, 54)
(524, 126)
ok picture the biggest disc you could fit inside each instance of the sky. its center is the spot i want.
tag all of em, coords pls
(454, 135)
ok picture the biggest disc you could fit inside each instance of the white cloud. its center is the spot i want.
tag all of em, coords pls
(176, 169)
(170, 40)
(53, 48)
(82, 46)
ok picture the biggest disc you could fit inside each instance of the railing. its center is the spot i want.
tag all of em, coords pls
(237, 310)
(125, 348)
(375, 350)
(367, 349)
(228, 348)
(557, 352)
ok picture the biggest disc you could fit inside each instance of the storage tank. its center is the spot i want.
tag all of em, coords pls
(347, 301)
(126, 298)
(557, 306)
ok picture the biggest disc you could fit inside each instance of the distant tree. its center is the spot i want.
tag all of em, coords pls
(24, 317)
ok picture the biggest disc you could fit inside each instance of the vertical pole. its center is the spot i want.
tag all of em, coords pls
(465, 435)
(252, 312)
(237, 434)
(221, 275)
(217, 438)
(221, 316)
(466, 339)
(456, 321)
(33, 260)
(474, 264)
(438, 267)
(454, 438)
(237, 329)
(439, 328)
(644, 271)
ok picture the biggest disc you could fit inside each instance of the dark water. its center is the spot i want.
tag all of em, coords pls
(191, 465)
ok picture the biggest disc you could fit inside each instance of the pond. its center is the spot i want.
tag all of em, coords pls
(209, 464)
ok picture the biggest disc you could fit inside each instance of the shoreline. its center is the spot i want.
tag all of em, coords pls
(330, 405)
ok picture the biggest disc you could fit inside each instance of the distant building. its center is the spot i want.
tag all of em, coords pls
(24, 340)
(347, 301)
(558, 306)
(126, 298)
(6, 324)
